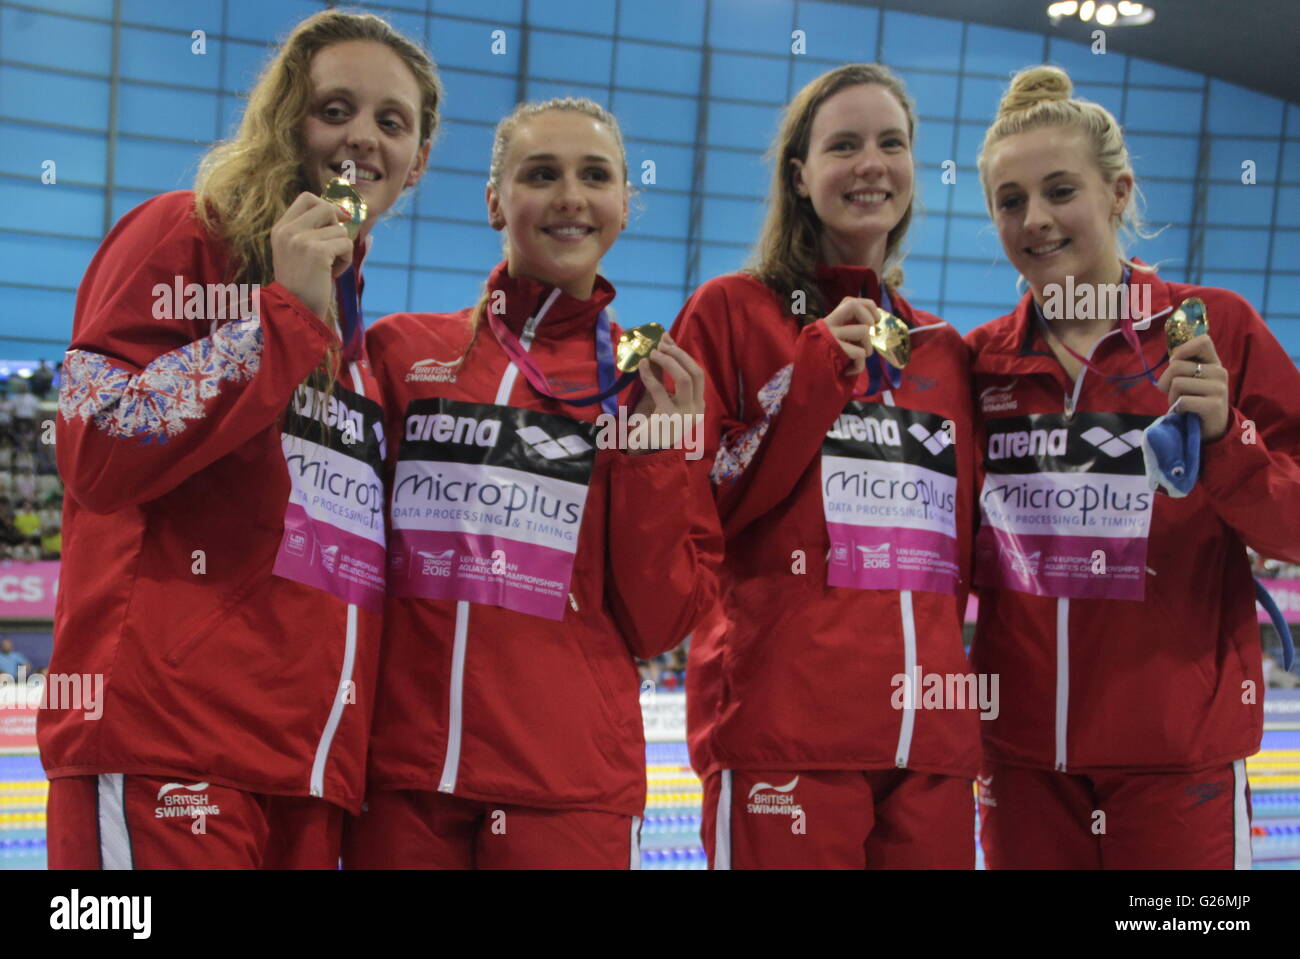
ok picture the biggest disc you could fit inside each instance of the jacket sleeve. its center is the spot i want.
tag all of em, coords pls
(664, 550)
(150, 398)
(761, 451)
(1252, 472)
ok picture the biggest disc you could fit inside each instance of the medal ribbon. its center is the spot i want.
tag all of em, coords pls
(1130, 337)
(877, 366)
(611, 384)
(349, 298)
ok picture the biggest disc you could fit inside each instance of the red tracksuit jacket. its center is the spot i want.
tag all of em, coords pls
(169, 442)
(1172, 682)
(792, 673)
(496, 705)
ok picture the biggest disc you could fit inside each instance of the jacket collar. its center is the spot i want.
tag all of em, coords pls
(837, 282)
(1021, 345)
(524, 296)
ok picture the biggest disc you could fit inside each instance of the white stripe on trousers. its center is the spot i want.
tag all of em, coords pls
(114, 838)
(722, 824)
(1241, 854)
(634, 860)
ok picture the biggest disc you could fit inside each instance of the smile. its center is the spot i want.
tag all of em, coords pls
(868, 197)
(363, 173)
(1047, 249)
(569, 232)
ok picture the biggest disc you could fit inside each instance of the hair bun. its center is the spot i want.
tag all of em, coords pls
(1035, 85)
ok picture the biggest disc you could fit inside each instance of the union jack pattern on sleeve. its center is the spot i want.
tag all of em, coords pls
(156, 403)
(734, 454)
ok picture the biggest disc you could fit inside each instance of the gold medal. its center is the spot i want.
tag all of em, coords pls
(342, 193)
(636, 344)
(1189, 320)
(891, 339)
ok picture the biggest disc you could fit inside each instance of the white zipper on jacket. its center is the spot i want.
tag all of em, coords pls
(909, 660)
(1062, 678)
(1063, 603)
(345, 676)
(451, 765)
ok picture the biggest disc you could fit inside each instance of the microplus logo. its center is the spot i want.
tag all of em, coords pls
(1113, 445)
(75, 912)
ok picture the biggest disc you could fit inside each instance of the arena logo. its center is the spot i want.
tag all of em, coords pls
(205, 301)
(947, 691)
(1094, 301)
(445, 428)
(767, 800)
(865, 429)
(1028, 443)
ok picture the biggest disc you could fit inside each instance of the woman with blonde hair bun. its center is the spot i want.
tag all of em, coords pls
(1116, 603)
(219, 438)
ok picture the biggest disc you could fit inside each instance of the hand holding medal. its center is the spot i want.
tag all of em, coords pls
(310, 246)
(851, 324)
(687, 397)
(1195, 379)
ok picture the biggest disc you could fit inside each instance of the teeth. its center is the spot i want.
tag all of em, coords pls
(367, 175)
(869, 196)
(1047, 249)
(568, 230)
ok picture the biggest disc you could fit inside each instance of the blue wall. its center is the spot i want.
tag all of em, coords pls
(644, 59)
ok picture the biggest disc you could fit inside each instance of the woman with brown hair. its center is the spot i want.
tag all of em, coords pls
(844, 487)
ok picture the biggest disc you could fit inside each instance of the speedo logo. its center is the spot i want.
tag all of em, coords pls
(850, 426)
(766, 799)
(433, 371)
(1111, 444)
(1028, 443)
(445, 428)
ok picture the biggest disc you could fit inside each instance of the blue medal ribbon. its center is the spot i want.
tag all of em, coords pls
(349, 298)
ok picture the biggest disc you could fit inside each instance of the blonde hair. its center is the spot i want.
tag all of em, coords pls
(245, 184)
(1040, 97)
(496, 168)
(785, 257)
